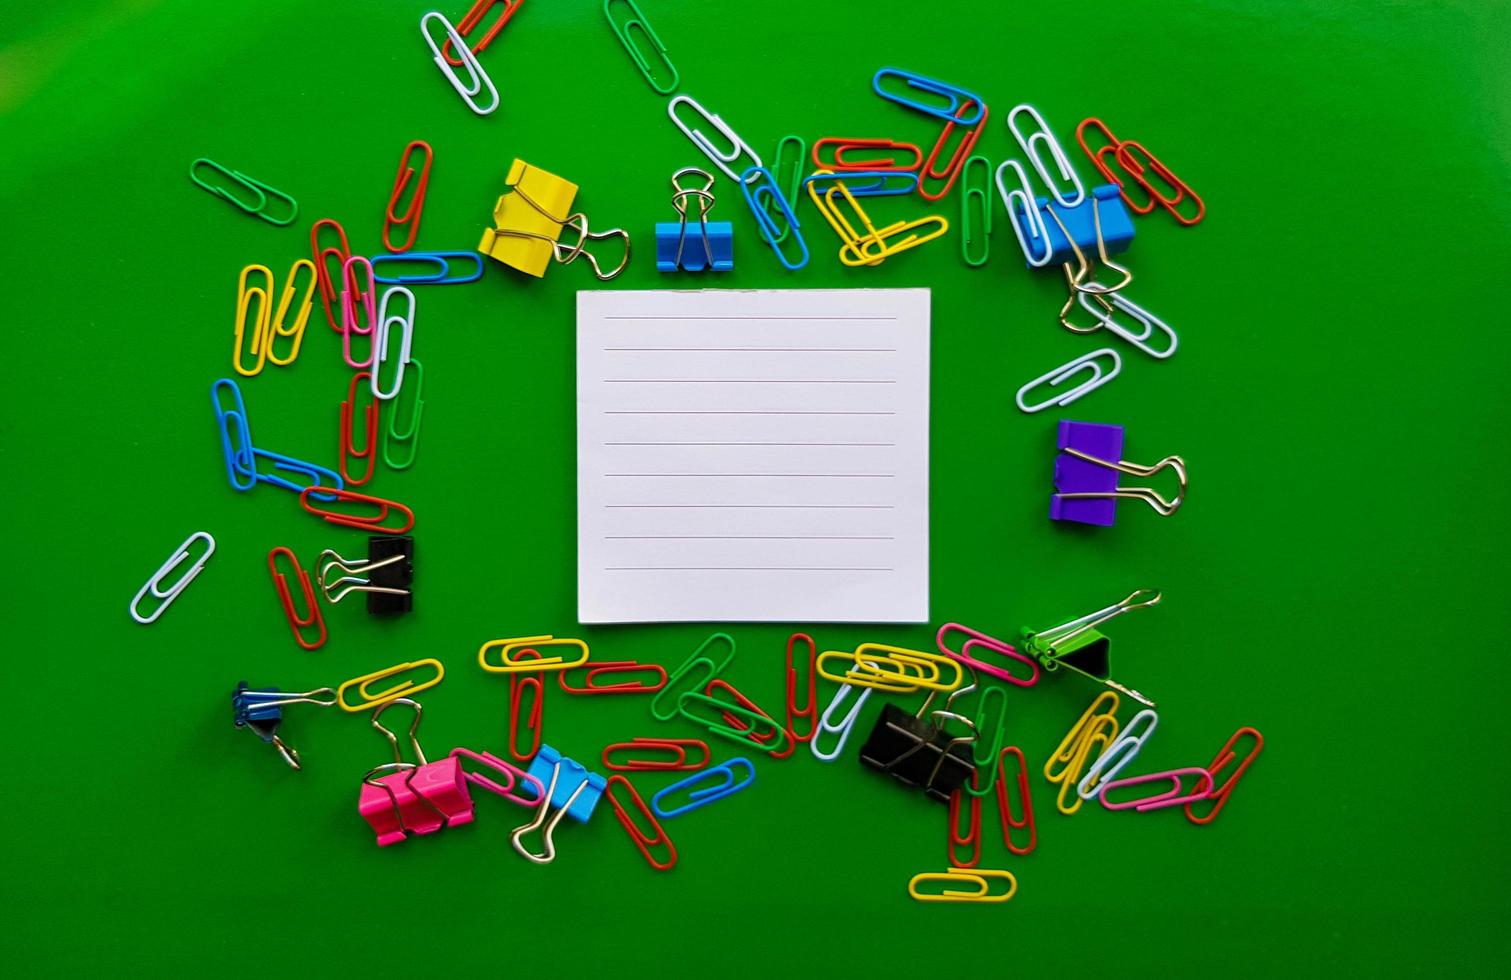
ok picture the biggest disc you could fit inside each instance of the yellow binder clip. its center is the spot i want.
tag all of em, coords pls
(509, 665)
(529, 221)
(858, 676)
(975, 876)
(876, 244)
(1096, 728)
(404, 688)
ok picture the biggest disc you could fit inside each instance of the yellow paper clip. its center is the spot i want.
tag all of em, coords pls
(977, 876)
(876, 244)
(858, 676)
(1095, 729)
(404, 688)
(278, 327)
(876, 667)
(260, 339)
(507, 665)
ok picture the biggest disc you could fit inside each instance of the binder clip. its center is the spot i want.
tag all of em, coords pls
(388, 571)
(712, 249)
(1086, 476)
(576, 794)
(1079, 646)
(527, 230)
(921, 753)
(1099, 221)
(412, 798)
(262, 712)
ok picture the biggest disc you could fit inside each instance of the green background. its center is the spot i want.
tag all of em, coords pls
(1339, 395)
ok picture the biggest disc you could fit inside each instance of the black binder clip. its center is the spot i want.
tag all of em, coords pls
(916, 752)
(387, 576)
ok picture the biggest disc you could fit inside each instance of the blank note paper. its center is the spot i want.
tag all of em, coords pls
(753, 456)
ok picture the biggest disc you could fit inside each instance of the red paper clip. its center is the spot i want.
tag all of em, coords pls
(594, 668)
(973, 836)
(734, 720)
(842, 145)
(280, 582)
(637, 836)
(372, 524)
(1005, 807)
(411, 215)
(328, 291)
(348, 430)
(957, 161)
(676, 746)
(1225, 757)
(517, 684)
(793, 711)
(470, 21)
(1133, 171)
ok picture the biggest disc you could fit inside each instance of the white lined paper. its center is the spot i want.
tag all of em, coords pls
(753, 456)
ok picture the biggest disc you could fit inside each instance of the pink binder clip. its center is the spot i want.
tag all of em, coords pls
(980, 641)
(410, 798)
(1171, 797)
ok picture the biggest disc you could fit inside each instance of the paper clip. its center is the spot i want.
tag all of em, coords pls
(736, 721)
(1023, 208)
(713, 248)
(977, 877)
(642, 841)
(1122, 152)
(865, 183)
(543, 810)
(1068, 370)
(403, 689)
(1105, 308)
(648, 747)
(236, 449)
(841, 728)
(956, 99)
(262, 713)
(510, 665)
(516, 777)
(440, 260)
(315, 474)
(472, 18)
(321, 257)
(263, 295)
(1121, 751)
(885, 162)
(477, 79)
(739, 723)
(787, 170)
(348, 428)
(1086, 476)
(1079, 646)
(297, 623)
(1004, 807)
(165, 596)
(638, 52)
(386, 577)
(980, 641)
(258, 205)
(1039, 136)
(1110, 146)
(957, 159)
(857, 676)
(410, 434)
(577, 791)
(1095, 729)
(856, 248)
(972, 838)
(278, 328)
(386, 323)
(594, 668)
(700, 795)
(760, 198)
(411, 215)
(355, 300)
(1174, 796)
(373, 523)
(886, 667)
(722, 160)
(810, 708)
(985, 750)
(696, 660)
(975, 198)
(518, 683)
(1225, 757)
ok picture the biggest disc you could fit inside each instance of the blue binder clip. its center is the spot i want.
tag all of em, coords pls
(262, 712)
(712, 248)
(570, 775)
(1103, 206)
(956, 97)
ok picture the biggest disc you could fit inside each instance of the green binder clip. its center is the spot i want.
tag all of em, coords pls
(1079, 646)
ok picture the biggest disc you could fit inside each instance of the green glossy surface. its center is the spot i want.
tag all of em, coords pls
(1340, 396)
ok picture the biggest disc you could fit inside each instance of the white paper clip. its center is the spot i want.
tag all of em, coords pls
(405, 321)
(1024, 195)
(1097, 306)
(1117, 755)
(1030, 144)
(168, 595)
(720, 160)
(842, 728)
(479, 78)
(1067, 370)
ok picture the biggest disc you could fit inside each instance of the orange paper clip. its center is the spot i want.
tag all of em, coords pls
(518, 683)
(594, 668)
(361, 381)
(411, 215)
(297, 623)
(972, 838)
(472, 18)
(811, 711)
(843, 145)
(328, 291)
(405, 688)
(372, 523)
(1225, 757)
(646, 762)
(951, 172)
(631, 827)
(1009, 824)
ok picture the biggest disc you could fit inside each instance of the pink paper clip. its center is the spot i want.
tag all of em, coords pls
(977, 640)
(1171, 797)
(353, 298)
(516, 776)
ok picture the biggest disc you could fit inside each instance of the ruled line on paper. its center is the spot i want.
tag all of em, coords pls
(749, 507)
(744, 568)
(749, 537)
(682, 412)
(836, 319)
(790, 476)
(844, 444)
(753, 350)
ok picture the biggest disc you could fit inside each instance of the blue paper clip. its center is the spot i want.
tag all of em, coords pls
(956, 96)
(441, 277)
(288, 464)
(765, 191)
(1103, 205)
(237, 453)
(868, 183)
(570, 775)
(706, 795)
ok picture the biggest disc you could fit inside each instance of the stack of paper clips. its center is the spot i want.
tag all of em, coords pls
(942, 731)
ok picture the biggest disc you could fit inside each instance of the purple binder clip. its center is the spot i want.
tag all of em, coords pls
(1086, 476)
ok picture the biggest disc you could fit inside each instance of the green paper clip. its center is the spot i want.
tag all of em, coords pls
(259, 208)
(695, 660)
(411, 435)
(970, 230)
(756, 722)
(1079, 646)
(790, 186)
(637, 53)
(987, 761)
